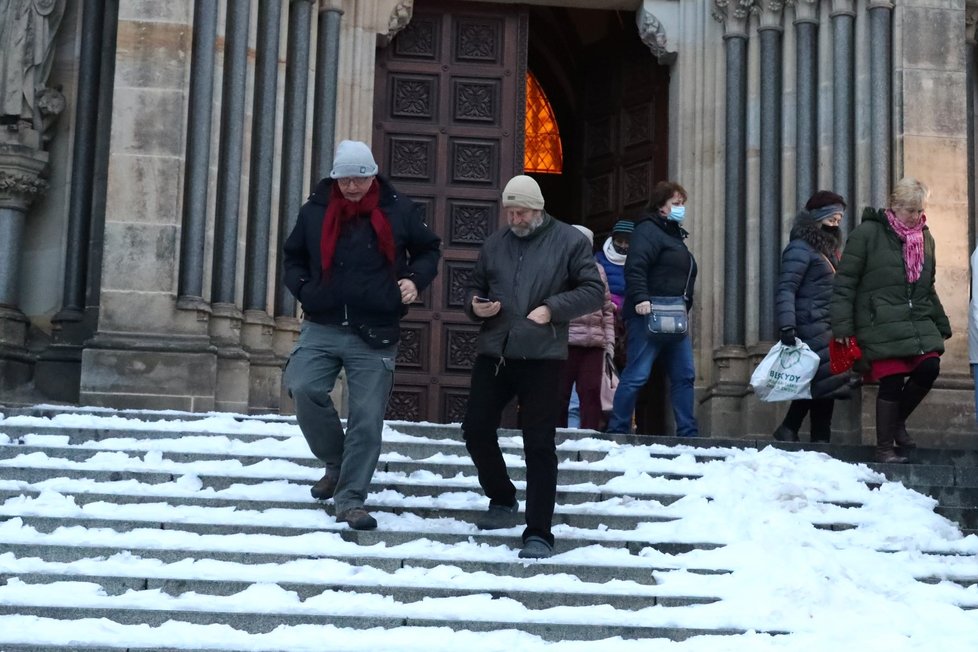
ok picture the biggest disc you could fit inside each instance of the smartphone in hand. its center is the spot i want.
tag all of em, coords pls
(482, 300)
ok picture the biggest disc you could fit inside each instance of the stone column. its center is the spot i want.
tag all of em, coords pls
(190, 288)
(844, 104)
(58, 371)
(22, 166)
(730, 361)
(735, 182)
(293, 166)
(880, 101)
(806, 100)
(28, 109)
(769, 33)
(327, 72)
(231, 392)
(258, 330)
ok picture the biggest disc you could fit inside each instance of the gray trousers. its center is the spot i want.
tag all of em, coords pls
(310, 376)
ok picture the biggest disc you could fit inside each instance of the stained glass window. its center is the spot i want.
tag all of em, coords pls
(543, 152)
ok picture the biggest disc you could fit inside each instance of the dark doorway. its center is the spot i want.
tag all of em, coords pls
(449, 128)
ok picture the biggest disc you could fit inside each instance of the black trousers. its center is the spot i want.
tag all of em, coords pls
(534, 383)
(819, 409)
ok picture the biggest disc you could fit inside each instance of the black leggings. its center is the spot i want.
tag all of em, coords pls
(923, 375)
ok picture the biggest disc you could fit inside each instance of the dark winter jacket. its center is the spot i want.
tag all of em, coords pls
(658, 263)
(552, 266)
(361, 288)
(872, 299)
(804, 295)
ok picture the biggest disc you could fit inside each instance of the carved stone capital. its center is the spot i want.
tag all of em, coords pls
(806, 11)
(400, 17)
(22, 172)
(726, 11)
(653, 34)
(843, 8)
(331, 5)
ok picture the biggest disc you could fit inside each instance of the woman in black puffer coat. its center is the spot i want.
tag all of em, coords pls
(803, 298)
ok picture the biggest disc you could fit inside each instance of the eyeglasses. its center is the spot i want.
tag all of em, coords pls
(354, 181)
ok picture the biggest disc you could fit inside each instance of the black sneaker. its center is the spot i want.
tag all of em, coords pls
(325, 487)
(536, 548)
(498, 517)
(358, 518)
(784, 433)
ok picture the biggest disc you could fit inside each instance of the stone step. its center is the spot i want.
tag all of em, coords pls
(393, 530)
(468, 557)
(588, 448)
(101, 461)
(266, 494)
(629, 596)
(416, 615)
(584, 517)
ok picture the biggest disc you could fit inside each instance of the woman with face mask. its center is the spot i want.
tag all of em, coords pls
(658, 264)
(802, 301)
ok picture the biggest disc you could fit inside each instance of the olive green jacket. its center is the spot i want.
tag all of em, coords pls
(872, 299)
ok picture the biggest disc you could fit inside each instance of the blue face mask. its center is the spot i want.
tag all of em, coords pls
(677, 214)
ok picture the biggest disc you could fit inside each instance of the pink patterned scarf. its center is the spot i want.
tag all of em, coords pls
(913, 244)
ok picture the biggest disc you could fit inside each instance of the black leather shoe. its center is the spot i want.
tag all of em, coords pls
(784, 433)
(498, 517)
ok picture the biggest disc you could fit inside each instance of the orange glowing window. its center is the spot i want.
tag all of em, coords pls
(543, 152)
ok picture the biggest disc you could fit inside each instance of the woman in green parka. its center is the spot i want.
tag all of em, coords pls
(884, 296)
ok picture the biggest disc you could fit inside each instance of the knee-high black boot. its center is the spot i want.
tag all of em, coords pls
(911, 397)
(887, 420)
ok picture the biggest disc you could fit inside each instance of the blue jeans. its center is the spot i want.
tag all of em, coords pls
(641, 353)
(310, 376)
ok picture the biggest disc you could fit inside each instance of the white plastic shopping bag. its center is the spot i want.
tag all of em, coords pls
(785, 373)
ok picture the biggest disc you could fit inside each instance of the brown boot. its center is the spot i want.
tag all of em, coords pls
(887, 420)
(326, 486)
(911, 397)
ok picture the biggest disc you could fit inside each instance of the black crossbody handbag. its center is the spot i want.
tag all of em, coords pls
(668, 321)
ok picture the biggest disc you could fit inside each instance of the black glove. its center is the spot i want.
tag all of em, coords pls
(788, 336)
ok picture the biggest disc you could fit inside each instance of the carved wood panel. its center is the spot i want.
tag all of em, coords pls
(448, 125)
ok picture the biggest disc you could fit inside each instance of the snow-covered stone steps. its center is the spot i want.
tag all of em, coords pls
(309, 578)
(286, 441)
(256, 495)
(571, 472)
(395, 513)
(106, 538)
(279, 553)
(261, 608)
(392, 530)
(296, 496)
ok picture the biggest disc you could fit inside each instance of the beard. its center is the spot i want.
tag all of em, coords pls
(523, 230)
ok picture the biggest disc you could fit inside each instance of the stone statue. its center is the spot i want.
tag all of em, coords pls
(27, 31)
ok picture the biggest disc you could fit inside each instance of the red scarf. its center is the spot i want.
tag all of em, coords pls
(913, 244)
(341, 211)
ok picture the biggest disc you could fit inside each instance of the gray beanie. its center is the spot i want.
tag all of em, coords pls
(353, 159)
(588, 233)
(523, 191)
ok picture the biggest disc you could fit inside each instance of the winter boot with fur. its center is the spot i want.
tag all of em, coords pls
(887, 421)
